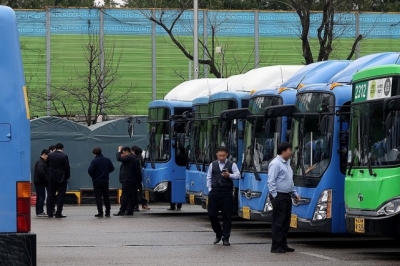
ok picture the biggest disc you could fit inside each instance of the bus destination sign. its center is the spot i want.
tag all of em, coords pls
(372, 89)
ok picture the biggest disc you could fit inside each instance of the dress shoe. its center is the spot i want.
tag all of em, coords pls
(129, 214)
(119, 214)
(107, 215)
(60, 216)
(278, 250)
(225, 242)
(99, 215)
(50, 215)
(217, 240)
(288, 249)
(145, 207)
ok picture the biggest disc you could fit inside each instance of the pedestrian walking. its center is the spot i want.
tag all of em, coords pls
(128, 174)
(59, 174)
(40, 178)
(137, 152)
(281, 191)
(220, 176)
(99, 170)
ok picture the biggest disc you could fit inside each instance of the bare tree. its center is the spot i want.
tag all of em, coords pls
(91, 92)
(328, 27)
(168, 19)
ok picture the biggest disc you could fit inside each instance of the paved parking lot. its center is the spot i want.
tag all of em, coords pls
(158, 237)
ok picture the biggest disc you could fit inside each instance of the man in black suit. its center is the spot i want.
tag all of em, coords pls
(128, 175)
(59, 174)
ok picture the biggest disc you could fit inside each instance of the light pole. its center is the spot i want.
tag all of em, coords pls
(195, 39)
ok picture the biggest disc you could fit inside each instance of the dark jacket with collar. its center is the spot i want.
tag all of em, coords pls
(59, 170)
(100, 169)
(40, 173)
(130, 168)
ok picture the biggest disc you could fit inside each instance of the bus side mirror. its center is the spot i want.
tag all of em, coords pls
(322, 108)
(188, 127)
(391, 104)
(388, 123)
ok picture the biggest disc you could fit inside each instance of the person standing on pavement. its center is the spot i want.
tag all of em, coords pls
(40, 178)
(99, 170)
(137, 152)
(128, 175)
(59, 174)
(281, 191)
(175, 207)
(220, 176)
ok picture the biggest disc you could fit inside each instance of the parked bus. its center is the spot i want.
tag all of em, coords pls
(166, 158)
(18, 244)
(372, 191)
(229, 131)
(319, 137)
(261, 142)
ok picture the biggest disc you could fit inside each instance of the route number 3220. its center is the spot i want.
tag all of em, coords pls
(360, 92)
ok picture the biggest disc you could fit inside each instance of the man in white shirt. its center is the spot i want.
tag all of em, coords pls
(220, 176)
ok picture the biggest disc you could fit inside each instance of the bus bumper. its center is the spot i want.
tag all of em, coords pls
(389, 226)
(192, 198)
(17, 249)
(257, 215)
(323, 226)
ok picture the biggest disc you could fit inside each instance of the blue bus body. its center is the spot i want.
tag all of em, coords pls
(224, 133)
(253, 197)
(166, 158)
(323, 157)
(15, 187)
(195, 172)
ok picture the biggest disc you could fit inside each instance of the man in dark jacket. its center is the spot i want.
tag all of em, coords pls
(99, 170)
(40, 179)
(128, 174)
(59, 174)
(137, 152)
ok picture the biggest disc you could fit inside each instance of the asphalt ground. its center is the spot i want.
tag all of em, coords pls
(160, 237)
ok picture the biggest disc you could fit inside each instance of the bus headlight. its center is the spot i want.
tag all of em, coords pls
(268, 205)
(323, 210)
(161, 187)
(390, 208)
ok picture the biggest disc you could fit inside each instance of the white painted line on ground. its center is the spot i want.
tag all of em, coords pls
(318, 256)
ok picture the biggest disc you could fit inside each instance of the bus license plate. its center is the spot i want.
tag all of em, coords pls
(359, 225)
(293, 221)
(246, 213)
(147, 195)
(191, 199)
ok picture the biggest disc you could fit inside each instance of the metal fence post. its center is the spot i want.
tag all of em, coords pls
(48, 58)
(256, 39)
(153, 57)
(357, 33)
(101, 43)
(205, 34)
(195, 39)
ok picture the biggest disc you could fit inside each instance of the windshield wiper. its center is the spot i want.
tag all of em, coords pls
(351, 164)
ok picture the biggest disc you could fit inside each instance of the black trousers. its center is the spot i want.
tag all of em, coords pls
(174, 206)
(128, 197)
(282, 208)
(60, 189)
(101, 190)
(40, 198)
(220, 201)
(142, 200)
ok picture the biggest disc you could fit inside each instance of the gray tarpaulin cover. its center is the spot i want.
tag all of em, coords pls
(80, 140)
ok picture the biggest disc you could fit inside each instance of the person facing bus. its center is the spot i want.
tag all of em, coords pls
(59, 174)
(220, 176)
(281, 190)
(128, 175)
(40, 178)
(137, 152)
(99, 170)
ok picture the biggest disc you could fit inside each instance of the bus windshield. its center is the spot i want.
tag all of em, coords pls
(260, 142)
(159, 139)
(198, 138)
(221, 133)
(312, 134)
(369, 142)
